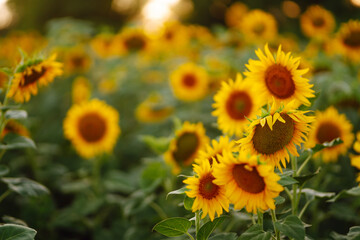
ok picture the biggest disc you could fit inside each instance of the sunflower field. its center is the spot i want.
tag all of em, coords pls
(179, 119)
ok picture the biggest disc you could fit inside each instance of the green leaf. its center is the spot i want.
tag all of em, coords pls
(354, 233)
(16, 114)
(158, 145)
(26, 187)
(5, 108)
(7, 71)
(209, 227)
(177, 192)
(154, 172)
(355, 191)
(319, 147)
(287, 180)
(188, 202)
(13, 141)
(312, 194)
(16, 232)
(255, 233)
(279, 200)
(304, 178)
(3, 170)
(224, 236)
(173, 227)
(292, 227)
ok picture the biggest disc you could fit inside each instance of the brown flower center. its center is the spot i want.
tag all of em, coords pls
(327, 132)
(92, 127)
(318, 22)
(268, 142)
(32, 77)
(207, 188)
(135, 43)
(238, 105)
(189, 80)
(259, 29)
(215, 156)
(169, 35)
(78, 61)
(247, 179)
(352, 39)
(186, 146)
(279, 81)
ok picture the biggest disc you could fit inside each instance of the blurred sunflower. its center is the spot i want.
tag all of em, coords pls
(153, 110)
(3, 79)
(355, 159)
(279, 78)
(317, 22)
(234, 103)
(234, 14)
(81, 90)
(210, 153)
(185, 147)
(31, 74)
(102, 45)
(348, 40)
(248, 184)
(13, 126)
(92, 127)
(189, 82)
(131, 40)
(276, 134)
(328, 126)
(258, 26)
(209, 197)
(173, 35)
(76, 60)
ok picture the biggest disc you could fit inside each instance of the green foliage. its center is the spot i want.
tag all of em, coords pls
(16, 232)
(159, 145)
(173, 227)
(188, 203)
(14, 141)
(25, 187)
(353, 192)
(292, 227)
(319, 147)
(209, 227)
(224, 236)
(304, 178)
(16, 114)
(3, 170)
(255, 233)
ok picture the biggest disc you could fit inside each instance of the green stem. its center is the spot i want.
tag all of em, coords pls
(96, 174)
(253, 219)
(158, 210)
(304, 208)
(294, 197)
(304, 163)
(288, 193)
(274, 220)
(260, 218)
(191, 237)
(197, 221)
(5, 194)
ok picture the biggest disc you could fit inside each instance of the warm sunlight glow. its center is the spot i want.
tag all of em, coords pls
(356, 3)
(6, 16)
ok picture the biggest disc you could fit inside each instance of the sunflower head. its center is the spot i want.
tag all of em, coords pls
(234, 103)
(235, 13)
(328, 126)
(209, 197)
(130, 40)
(81, 90)
(153, 110)
(276, 133)
(185, 147)
(247, 183)
(102, 45)
(76, 60)
(30, 75)
(210, 153)
(92, 127)
(317, 22)
(355, 159)
(279, 78)
(13, 126)
(189, 82)
(348, 40)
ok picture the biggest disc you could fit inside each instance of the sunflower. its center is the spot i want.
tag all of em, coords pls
(13, 126)
(81, 90)
(185, 147)
(76, 60)
(247, 183)
(30, 75)
(234, 103)
(189, 82)
(92, 127)
(130, 40)
(279, 78)
(276, 134)
(211, 153)
(173, 35)
(258, 26)
(153, 110)
(102, 45)
(355, 159)
(317, 22)
(209, 197)
(235, 13)
(3, 80)
(328, 126)
(348, 40)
